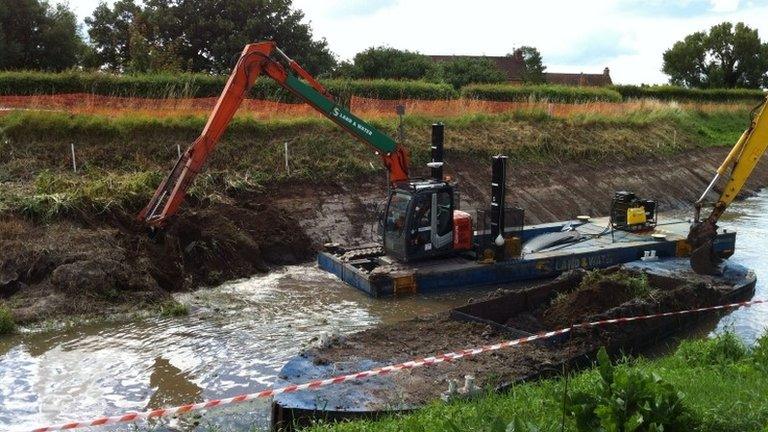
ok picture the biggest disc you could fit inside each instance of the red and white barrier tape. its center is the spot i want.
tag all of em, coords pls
(312, 385)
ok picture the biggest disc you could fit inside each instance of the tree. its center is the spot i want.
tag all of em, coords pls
(470, 70)
(201, 35)
(111, 30)
(36, 35)
(728, 56)
(387, 63)
(533, 66)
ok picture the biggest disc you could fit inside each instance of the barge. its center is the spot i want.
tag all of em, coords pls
(594, 243)
(576, 296)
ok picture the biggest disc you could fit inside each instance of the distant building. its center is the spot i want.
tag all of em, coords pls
(580, 79)
(513, 65)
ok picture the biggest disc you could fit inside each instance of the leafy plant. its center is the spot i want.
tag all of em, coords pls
(628, 400)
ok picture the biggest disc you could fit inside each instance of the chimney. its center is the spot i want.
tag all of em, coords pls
(607, 72)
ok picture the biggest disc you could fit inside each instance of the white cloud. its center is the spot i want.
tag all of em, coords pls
(724, 5)
(627, 36)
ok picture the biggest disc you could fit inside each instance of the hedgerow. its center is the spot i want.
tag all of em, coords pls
(666, 92)
(550, 93)
(201, 85)
(187, 85)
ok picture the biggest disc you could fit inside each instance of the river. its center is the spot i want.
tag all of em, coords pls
(237, 338)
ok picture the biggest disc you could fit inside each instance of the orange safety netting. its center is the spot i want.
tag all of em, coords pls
(84, 103)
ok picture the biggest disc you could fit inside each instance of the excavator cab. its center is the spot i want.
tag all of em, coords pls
(418, 220)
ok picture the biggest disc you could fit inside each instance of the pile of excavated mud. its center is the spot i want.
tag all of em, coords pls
(111, 264)
(612, 292)
(575, 297)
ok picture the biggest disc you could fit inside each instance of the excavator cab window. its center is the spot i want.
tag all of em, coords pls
(419, 223)
(395, 220)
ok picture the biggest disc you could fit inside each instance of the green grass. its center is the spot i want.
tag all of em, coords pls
(722, 396)
(7, 325)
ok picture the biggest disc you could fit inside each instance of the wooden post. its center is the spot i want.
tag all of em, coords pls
(74, 162)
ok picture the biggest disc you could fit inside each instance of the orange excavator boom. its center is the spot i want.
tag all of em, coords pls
(264, 58)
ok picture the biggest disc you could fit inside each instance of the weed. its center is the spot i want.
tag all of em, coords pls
(174, 309)
(7, 325)
(725, 348)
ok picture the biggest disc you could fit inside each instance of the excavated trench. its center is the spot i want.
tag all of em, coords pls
(104, 264)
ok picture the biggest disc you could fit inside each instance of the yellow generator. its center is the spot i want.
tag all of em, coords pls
(630, 213)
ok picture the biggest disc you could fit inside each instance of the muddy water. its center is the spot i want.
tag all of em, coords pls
(236, 339)
(750, 220)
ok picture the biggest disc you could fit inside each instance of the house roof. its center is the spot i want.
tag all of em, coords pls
(513, 66)
(580, 79)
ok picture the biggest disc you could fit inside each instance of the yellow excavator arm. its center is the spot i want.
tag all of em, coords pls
(741, 161)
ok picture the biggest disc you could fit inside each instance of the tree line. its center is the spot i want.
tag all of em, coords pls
(153, 36)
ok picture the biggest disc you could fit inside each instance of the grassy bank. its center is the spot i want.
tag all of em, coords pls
(122, 159)
(720, 386)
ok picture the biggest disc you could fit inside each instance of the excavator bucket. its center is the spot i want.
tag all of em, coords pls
(704, 260)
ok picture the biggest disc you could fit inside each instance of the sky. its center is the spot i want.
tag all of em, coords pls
(627, 36)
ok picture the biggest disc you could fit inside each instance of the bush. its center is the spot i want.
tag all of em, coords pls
(725, 348)
(462, 71)
(202, 85)
(387, 63)
(666, 92)
(174, 309)
(546, 93)
(628, 400)
(6, 321)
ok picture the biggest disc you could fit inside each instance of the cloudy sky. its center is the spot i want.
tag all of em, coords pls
(628, 36)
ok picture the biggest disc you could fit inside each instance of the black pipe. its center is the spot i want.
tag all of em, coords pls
(438, 137)
(498, 195)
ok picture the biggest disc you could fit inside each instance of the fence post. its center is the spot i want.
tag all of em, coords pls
(287, 167)
(74, 162)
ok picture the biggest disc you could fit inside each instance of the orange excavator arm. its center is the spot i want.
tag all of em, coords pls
(264, 58)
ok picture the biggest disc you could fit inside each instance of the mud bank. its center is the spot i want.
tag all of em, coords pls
(106, 263)
(112, 264)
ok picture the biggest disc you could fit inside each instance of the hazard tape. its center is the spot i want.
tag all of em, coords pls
(313, 385)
